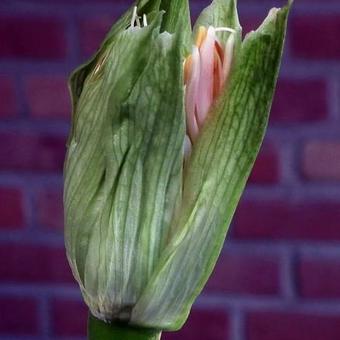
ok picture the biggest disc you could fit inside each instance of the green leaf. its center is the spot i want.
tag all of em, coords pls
(215, 178)
(123, 172)
(78, 77)
(177, 19)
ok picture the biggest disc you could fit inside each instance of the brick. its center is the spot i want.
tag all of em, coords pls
(11, 208)
(245, 273)
(8, 105)
(32, 37)
(32, 152)
(33, 264)
(318, 277)
(319, 2)
(92, 32)
(321, 160)
(48, 96)
(290, 104)
(287, 220)
(50, 209)
(315, 37)
(18, 316)
(269, 325)
(68, 318)
(123, 3)
(203, 324)
(267, 168)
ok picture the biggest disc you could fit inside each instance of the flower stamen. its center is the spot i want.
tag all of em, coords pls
(135, 20)
(134, 16)
(225, 29)
(145, 21)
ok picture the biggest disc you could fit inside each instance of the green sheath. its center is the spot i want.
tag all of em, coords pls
(99, 330)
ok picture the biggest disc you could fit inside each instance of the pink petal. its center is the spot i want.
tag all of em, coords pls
(191, 95)
(206, 79)
(228, 57)
(218, 75)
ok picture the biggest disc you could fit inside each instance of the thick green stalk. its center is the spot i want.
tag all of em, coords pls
(99, 330)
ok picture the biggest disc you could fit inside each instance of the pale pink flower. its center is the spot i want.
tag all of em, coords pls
(205, 73)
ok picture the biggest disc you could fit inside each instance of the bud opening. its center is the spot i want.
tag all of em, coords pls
(206, 71)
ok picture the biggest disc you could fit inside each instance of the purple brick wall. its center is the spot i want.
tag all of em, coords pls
(278, 276)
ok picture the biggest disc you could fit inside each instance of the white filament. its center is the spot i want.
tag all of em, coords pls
(145, 21)
(135, 20)
(134, 16)
(225, 29)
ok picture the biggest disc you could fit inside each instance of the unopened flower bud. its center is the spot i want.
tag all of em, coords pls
(164, 135)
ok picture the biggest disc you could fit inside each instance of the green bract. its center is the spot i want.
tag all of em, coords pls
(143, 232)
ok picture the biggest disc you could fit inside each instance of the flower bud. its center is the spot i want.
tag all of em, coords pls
(164, 135)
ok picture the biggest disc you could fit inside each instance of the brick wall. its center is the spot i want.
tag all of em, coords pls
(278, 276)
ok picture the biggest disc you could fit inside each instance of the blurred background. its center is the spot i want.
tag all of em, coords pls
(278, 277)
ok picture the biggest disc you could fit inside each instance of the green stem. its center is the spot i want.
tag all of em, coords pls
(99, 330)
